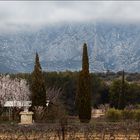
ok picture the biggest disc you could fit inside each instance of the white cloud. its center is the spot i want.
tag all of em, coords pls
(46, 12)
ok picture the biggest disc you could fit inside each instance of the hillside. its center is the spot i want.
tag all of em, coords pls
(111, 46)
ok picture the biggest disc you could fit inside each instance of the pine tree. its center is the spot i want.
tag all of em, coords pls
(83, 98)
(38, 91)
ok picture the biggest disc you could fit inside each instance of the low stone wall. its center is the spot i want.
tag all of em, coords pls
(97, 113)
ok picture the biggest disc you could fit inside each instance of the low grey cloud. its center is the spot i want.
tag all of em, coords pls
(36, 13)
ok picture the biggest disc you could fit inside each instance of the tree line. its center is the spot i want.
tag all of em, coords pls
(81, 90)
(101, 91)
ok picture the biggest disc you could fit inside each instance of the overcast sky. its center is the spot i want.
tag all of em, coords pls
(36, 13)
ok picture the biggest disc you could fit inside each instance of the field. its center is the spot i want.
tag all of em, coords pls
(71, 131)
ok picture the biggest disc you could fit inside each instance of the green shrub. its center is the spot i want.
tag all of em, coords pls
(116, 115)
(113, 115)
(137, 115)
(128, 114)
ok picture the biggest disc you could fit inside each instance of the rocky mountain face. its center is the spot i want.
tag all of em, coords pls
(110, 46)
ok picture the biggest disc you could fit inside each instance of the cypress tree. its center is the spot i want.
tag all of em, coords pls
(83, 99)
(38, 91)
(121, 102)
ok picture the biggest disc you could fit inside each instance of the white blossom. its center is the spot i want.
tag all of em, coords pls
(13, 89)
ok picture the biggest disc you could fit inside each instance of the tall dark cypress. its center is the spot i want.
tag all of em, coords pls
(121, 102)
(83, 98)
(38, 90)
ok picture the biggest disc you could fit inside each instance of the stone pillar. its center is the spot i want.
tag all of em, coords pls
(26, 117)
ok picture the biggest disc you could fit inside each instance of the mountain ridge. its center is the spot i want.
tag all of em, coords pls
(110, 46)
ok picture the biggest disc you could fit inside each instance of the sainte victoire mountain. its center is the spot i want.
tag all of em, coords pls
(110, 46)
